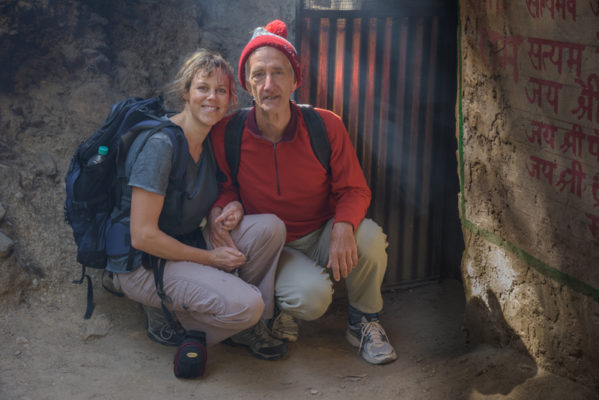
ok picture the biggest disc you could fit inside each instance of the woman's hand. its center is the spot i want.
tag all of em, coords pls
(226, 258)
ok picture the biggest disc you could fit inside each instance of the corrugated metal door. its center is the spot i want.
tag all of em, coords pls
(390, 75)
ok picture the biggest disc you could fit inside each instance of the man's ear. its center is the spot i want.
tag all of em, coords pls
(250, 90)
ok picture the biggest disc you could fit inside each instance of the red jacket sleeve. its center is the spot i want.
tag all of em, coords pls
(348, 183)
(227, 190)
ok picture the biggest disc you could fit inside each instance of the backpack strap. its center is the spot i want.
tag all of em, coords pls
(178, 141)
(316, 130)
(157, 264)
(90, 292)
(318, 135)
(233, 133)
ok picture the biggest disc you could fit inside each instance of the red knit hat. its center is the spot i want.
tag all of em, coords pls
(275, 35)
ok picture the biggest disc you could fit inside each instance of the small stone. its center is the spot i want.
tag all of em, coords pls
(98, 326)
(22, 340)
(2, 212)
(47, 165)
(6, 245)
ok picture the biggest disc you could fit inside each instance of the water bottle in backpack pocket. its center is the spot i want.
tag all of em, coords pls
(89, 205)
(91, 188)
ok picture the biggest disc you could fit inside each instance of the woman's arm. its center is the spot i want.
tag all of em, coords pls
(147, 236)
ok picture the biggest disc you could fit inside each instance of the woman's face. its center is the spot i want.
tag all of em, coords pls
(208, 97)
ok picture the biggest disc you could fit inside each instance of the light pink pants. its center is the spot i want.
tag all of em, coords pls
(207, 299)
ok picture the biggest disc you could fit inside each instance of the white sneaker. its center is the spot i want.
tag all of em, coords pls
(284, 327)
(372, 342)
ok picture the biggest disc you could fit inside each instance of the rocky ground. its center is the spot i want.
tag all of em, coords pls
(50, 352)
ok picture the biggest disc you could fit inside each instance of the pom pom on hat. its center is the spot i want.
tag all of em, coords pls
(274, 34)
(277, 27)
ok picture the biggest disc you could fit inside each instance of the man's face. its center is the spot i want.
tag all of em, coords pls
(270, 79)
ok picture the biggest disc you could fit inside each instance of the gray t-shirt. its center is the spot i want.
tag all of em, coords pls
(148, 166)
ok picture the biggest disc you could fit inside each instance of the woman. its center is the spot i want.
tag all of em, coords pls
(204, 294)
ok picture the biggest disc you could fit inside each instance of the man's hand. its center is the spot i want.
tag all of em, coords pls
(230, 216)
(219, 235)
(343, 252)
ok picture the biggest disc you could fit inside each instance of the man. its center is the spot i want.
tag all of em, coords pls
(323, 212)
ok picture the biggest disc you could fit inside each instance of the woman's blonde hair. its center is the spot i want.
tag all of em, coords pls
(207, 62)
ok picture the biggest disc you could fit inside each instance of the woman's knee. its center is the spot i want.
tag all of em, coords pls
(273, 228)
(254, 310)
(241, 306)
(267, 223)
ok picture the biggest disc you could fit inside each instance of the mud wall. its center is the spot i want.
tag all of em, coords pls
(528, 133)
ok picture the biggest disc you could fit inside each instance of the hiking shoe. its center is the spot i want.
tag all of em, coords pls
(259, 342)
(371, 340)
(158, 328)
(284, 326)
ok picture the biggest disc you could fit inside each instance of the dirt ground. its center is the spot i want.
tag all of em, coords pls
(49, 352)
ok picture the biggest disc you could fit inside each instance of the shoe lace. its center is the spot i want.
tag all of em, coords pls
(373, 332)
(260, 331)
(167, 332)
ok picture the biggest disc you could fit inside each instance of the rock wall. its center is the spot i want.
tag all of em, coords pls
(63, 64)
(528, 132)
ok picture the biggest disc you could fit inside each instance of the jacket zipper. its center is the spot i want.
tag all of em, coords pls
(277, 169)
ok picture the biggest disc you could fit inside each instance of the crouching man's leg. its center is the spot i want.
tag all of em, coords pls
(364, 291)
(303, 291)
(363, 285)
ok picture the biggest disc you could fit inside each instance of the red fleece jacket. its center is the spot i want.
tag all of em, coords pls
(286, 178)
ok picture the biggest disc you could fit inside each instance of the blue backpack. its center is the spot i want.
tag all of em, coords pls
(92, 191)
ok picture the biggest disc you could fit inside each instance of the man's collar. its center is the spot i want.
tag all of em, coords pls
(290, 129)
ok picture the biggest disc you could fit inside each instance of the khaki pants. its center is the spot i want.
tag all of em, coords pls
(207, 299)
(303, 287)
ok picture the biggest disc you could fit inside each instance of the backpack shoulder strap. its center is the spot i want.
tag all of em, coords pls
(154, 125)
(318, 135)
(176, 136)
(180, 149)
(233, 133)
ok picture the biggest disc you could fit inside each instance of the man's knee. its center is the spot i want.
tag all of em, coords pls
(307, 300)
(371, 242)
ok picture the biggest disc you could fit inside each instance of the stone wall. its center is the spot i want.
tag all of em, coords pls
(528, 131)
